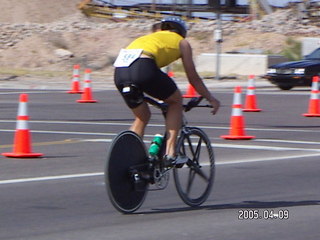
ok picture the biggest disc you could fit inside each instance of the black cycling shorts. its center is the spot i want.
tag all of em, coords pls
(147, 78)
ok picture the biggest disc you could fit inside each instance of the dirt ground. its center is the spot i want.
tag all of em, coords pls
(96, 48)
(35, 11)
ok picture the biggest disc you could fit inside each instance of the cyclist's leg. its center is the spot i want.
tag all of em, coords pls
(164, 88)
(173, 121)
(129, 82)
(142, 116)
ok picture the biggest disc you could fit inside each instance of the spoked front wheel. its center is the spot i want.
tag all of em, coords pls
(194, 179)
(127, 158)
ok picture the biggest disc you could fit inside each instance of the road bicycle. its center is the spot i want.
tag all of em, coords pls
(131, 172)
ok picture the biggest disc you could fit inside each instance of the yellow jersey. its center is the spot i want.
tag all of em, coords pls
(163, 46)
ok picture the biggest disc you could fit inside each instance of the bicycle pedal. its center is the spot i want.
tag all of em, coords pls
(178, 165)
(180, 161)
(168, 162)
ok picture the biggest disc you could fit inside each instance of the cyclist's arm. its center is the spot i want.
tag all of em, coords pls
(193, 76)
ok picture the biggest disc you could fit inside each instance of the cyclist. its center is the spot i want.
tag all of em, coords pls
(138, 71)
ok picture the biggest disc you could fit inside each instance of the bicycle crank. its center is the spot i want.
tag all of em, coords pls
(161, 178)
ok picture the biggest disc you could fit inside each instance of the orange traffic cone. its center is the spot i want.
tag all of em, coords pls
(87, 93)
(237, 131)
(191, 92)
(314, 106)
(170, 74)
(251, 100)
(22, 138)
(75, 80)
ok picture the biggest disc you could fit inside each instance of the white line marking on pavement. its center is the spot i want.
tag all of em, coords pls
(66, 132)
(216, 145)
(81, 175)
(33, 92)
(162, 125)
(259, 147)
(286, 141)
(48, 178)
(268, 159)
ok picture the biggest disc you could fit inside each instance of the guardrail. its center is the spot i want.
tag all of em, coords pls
(155, 11)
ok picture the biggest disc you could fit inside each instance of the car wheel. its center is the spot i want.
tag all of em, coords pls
(285, 87)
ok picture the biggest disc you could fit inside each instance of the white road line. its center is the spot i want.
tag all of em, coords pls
(65, 132)
(259, 147)
(73, 123)
(268, 159)
(46, 90)
(162, 125)
(49, 178)
(82, 175)
(227, 145)
(216, 145)
(286, 141)
(33, 92)
(75, 133)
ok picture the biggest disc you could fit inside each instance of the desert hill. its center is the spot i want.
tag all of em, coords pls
(56, 35)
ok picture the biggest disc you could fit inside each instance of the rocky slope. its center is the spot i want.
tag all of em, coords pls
(58, 37)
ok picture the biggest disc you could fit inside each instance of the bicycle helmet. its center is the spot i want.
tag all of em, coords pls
(176, 24)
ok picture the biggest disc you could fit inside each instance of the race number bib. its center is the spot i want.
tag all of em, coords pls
(126, 57)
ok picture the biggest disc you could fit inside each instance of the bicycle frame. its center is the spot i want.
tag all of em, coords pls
(128, 174)
(155, 162)
(194, 102)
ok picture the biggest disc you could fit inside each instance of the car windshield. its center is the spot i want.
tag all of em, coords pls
(314, 55)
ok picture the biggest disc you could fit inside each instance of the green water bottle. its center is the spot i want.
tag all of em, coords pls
(155, 145)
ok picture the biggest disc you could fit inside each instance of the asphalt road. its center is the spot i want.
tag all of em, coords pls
(62, 195)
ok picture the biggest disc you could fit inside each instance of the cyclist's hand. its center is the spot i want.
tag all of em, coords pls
(215, 103)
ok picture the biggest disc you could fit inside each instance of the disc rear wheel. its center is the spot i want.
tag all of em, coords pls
(127, 156)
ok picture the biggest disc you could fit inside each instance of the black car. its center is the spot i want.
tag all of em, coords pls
(298, 73)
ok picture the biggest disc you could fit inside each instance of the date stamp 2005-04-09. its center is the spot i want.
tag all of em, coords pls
(264, 214)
